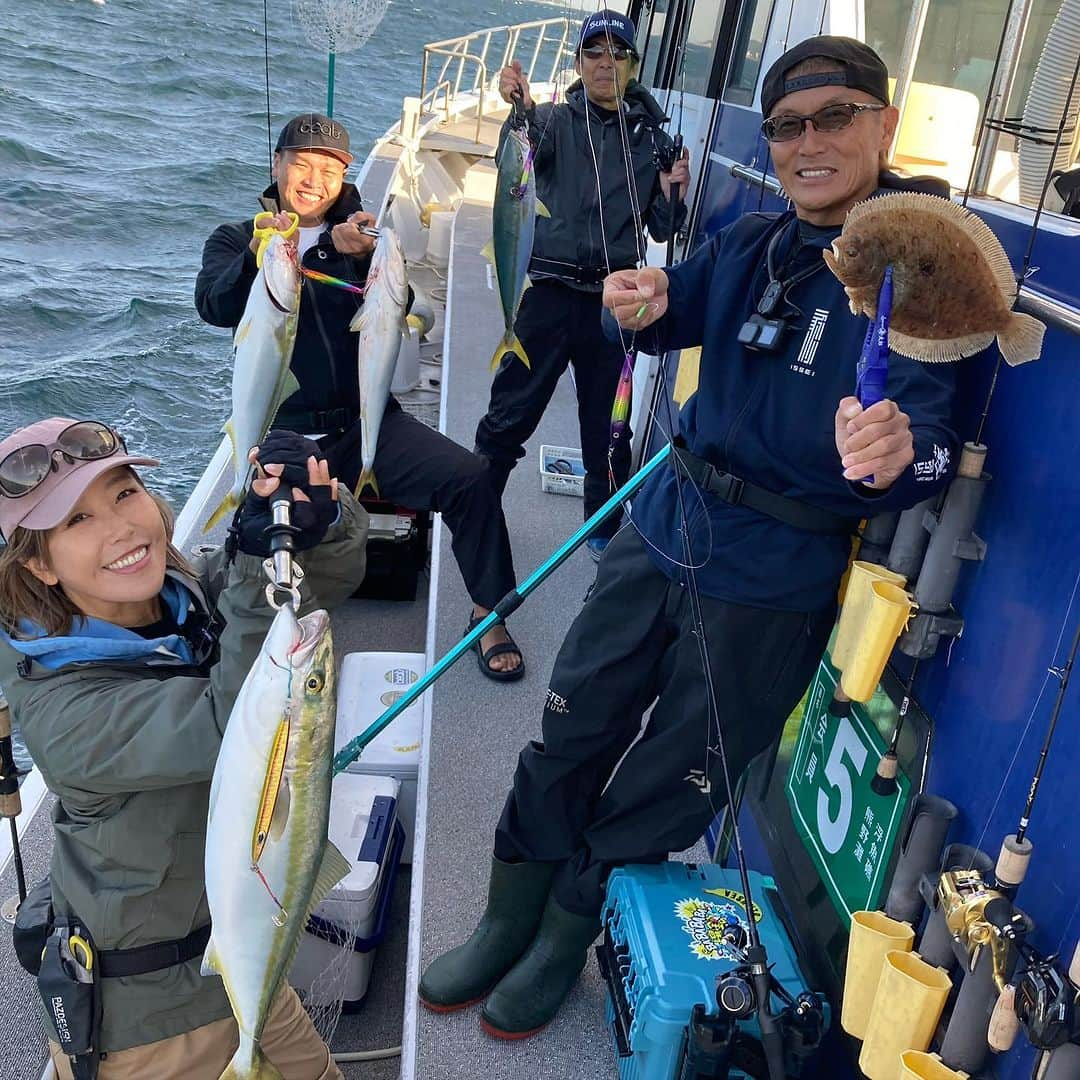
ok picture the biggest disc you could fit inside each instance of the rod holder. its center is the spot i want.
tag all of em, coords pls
(920, 854)
(910, 539)
(924, 632)
(873, 936)
(877, 537)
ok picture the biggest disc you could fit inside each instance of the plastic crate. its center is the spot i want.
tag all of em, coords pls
(562, 471)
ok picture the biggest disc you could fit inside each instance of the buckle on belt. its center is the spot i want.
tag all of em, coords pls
(727, 487)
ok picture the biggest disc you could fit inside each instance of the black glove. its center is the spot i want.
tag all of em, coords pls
(312, 519)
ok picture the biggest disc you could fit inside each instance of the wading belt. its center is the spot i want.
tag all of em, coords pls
(580, 275)
(739, 492)
(141, 960)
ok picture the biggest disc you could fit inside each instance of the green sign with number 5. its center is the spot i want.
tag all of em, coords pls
(848, 830)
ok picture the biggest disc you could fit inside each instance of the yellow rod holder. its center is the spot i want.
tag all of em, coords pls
(885, 616)
(856, 604)
(873, 936)
(918, 1065)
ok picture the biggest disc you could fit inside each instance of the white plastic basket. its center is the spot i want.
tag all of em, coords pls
(562, 471)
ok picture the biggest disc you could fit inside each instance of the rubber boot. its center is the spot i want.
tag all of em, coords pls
(530, 994)
(462, 976)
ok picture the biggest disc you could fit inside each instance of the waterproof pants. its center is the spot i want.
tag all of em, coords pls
(420, 469)
(558, 325)
(634, 644)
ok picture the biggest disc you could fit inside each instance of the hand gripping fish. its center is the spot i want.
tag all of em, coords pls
(379, 325)
(953, 286)
(262, 350)
(513, 221)
(268, 860)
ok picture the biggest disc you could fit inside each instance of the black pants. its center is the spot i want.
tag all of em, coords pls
(558, 325)
(633, 644)
(422, 470)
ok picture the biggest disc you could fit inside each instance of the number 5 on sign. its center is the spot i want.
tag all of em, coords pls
(848, 830)
(833, 831)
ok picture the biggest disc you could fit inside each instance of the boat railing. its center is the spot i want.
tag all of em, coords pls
(469, 63)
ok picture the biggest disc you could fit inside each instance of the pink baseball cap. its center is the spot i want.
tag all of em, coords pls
(45, 505)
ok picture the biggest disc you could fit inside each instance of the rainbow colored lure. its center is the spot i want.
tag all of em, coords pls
(328, 279)
(522, 187)
(620, 410)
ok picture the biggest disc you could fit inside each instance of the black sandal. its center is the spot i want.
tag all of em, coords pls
(483, 659)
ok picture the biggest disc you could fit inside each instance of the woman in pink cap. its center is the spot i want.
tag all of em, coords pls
(121, 663)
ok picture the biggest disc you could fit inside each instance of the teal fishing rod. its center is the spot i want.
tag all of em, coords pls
(508, 604)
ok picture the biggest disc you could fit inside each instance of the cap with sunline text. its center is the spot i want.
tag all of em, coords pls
(861, 69)
(313, 131)
(608, 24)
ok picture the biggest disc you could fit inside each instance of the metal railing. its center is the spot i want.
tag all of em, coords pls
(470, 63)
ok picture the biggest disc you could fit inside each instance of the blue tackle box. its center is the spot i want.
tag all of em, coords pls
(670, 930)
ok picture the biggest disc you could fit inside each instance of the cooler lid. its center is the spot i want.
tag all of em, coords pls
(369, 683)
(363, 810)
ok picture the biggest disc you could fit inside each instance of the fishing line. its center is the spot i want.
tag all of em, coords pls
(266, 59)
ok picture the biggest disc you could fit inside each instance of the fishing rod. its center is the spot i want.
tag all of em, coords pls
(505, 607)
(10, 801)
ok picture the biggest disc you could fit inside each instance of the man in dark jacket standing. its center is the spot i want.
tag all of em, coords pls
(418, 467)
(777, 465)
(581, 150)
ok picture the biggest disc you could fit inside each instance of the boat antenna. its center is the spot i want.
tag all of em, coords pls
(337, 26)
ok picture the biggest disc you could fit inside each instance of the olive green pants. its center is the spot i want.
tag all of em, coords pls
(289, 1041)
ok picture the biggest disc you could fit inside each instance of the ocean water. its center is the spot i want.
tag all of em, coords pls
(128, 131)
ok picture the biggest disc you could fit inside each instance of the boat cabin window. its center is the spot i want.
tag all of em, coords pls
(952, 78)
(651, 24)
(747, 53)
(701, 38)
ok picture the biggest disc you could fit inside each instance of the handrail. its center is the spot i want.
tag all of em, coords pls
(1047, 308)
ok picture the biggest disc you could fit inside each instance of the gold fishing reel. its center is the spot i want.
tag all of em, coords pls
(963, 897)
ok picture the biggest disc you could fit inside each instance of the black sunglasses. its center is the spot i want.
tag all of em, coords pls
(617, 52)
(27, 467)
(788, 126)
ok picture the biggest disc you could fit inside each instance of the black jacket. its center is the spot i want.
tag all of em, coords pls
(566, 182)
(324, 358)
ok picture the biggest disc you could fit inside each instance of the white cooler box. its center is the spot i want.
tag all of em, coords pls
(365, 829)
(368, 684)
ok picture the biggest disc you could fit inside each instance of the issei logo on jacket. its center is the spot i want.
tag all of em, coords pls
(936, 466)
(803, 364)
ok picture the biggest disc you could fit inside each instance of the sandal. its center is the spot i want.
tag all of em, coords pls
(483, 659)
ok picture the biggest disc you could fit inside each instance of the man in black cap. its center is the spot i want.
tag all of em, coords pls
(777, 464)
(595, 226)
(418, 467)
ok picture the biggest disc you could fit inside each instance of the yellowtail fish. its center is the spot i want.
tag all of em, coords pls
(268, 860)
(262, 350)
(513, 222)
(953, 286)
(379, 325)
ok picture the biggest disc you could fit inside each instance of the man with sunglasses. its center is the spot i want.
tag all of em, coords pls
(776, 464)
(608, 128)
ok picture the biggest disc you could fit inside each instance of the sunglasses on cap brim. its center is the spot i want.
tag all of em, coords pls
(27, 467)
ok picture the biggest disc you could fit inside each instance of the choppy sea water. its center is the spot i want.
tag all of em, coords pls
(128, 132)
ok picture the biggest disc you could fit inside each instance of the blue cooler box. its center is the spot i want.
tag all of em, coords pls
(663, 949)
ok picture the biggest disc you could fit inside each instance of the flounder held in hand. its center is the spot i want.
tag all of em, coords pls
(952, 282)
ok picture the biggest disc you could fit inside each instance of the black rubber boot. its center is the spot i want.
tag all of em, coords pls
(516, 896)
(530, 994)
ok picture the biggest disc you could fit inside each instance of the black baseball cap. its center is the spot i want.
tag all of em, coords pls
(607, 23)
(313, 131)
(862, 68)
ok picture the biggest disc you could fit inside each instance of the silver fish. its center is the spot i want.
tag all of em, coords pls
(268, 859)
(379, 325)
(262, 350)
(513, 222)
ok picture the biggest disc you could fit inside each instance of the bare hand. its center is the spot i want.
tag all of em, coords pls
(267, 481)
(280, 221)
(680, 175)
(511, 81)
(349, 240)
(637, 298)
(873, 442)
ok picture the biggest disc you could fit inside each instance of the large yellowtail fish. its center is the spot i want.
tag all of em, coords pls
(268, 860)
(262, 350)
(379, 325)
(513, 222)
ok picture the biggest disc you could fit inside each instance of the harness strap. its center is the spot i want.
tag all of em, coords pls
(733, 489)
(118, 963)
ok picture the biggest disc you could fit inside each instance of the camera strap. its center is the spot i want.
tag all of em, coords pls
(777, 289)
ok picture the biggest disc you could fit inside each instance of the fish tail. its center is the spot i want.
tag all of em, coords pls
(226, 506)
(510, 344)
(1021, 340)
(250, 1063)
(367, 479)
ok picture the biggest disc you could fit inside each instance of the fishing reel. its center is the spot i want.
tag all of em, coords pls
(963, 897)
(1046, 1003)
(666, 152)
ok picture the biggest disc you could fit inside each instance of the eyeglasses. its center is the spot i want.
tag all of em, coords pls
(787, 126)
(28, 466)
(616, 52)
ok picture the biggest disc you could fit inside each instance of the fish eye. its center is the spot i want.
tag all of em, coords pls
(314, 682)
